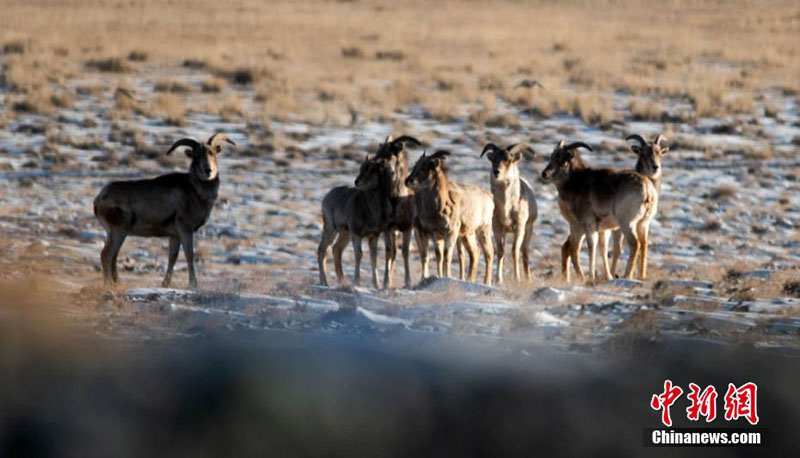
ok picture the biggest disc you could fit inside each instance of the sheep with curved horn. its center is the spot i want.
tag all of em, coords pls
(175, 205)
(648, 163)
(594, 200)
(515, 208)
(403, 215)
(450, 214)
(354, 213)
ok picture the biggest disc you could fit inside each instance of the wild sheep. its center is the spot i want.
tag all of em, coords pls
(593, 200)
(174, 205)
(353, 213)
(514, 206)
(403, 205)
(450, 214)
(648, 163)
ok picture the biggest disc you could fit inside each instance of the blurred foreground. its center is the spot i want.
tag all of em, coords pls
(286, 394)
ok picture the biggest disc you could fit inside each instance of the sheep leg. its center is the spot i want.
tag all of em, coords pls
(357, 250)
(617, 237)
(462, 268)
(372, 242)
(328, 234)
(438, 245)
(633, 245)
(450, 242)
(422, 247)
(471, 243)
(174, 249)
(187, 241)
(575, 240)
(485, 241)
(406, 245)
(108, 257)
(471, 246)
(565, 256)
(526, 241)
(604, 253)
(591, 242)
(105, 258)
(644, 232)
(390, 239)
(517, 249)
(500, 242)
(338, 249)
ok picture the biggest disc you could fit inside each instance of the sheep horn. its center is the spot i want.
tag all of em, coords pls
(513, 149)
(440, 153)
(490, 146)
(216, 138)
(183, 142)
(405, 138)
(578, 145)
(638, 138)
(660, 138)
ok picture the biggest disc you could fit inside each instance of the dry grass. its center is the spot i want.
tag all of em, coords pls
(213, 84)
(724, 192)
(170, 108)
(718, 58)
(174, 86)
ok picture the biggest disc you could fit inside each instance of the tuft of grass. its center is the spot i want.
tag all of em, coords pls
(442, 107)
(195, 64)
(174, 86)
(138, 56)
(391, 55)
(646, 110)
(792, 288)
(15, 47)
(43, 102)
(213, 85)
(712, 225)
(243, 76)
(725, 191)
(123, 98)
(170, 107)
(232, 109)
(109, 65)
(62, 99)
(353, 52)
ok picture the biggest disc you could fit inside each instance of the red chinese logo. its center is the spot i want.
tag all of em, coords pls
(704, 403)
(665, 400)
(741, 402)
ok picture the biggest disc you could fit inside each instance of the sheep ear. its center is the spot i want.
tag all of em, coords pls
(189, 152)
(217, 149)
(636, 149)
(664, 150)
(517, 156)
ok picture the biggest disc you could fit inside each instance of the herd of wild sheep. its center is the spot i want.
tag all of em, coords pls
(388, 198)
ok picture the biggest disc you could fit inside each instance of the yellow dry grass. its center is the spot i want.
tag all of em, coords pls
(377, 56)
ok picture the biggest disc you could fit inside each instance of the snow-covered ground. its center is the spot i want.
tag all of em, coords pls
(718, 260)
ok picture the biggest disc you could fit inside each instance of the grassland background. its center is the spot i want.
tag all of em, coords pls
(304, 58)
